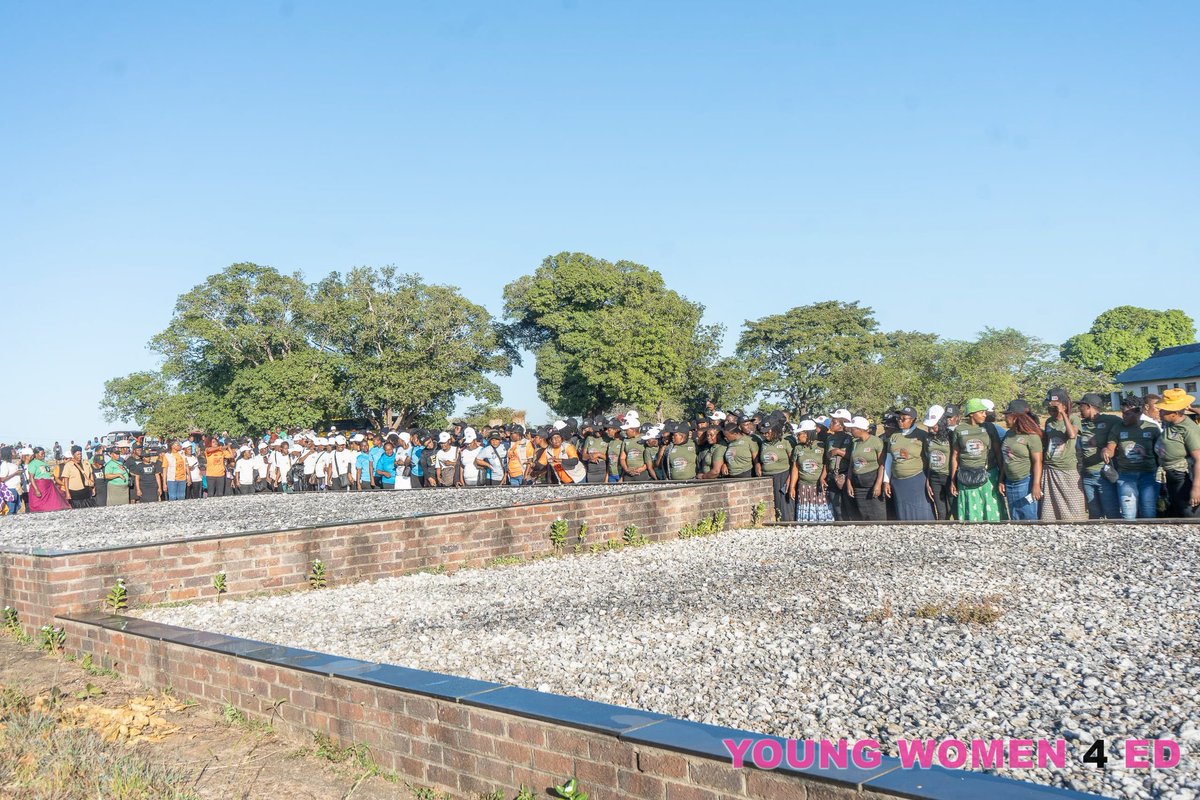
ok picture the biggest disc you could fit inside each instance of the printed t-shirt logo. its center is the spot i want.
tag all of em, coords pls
(678, 463)
(770, 456)
(859, 463)
(974, 447)
(937, 459)
(902, 454)
(809, 467)
(1134, 453)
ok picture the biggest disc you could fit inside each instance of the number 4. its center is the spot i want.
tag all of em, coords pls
(1095, 754)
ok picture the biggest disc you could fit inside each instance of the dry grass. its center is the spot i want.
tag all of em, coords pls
(881, 614)
(41, 757)
(966, 611)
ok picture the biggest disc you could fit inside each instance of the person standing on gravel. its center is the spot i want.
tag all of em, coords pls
(1179, 453)
(974, 466)
(680, 458)
(807, 488)
(1131, 447)
(906, 469)
(1022, 462)
(864, 463)
(837, 446)
(244, 471)
(1062, 485)
(214, 469)
(1094, 429)
(774, 461)
(938, 445)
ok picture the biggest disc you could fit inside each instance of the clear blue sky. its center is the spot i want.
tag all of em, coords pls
(761, 155)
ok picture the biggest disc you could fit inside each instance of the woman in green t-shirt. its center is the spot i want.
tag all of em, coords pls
(974, 467)
(1062, 484)
(1022, 454)
(808, 474)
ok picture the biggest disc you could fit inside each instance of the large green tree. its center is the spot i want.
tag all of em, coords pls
(1125, 335)
(299, 390)
(800, 357)
(607, 335)
(410, 349)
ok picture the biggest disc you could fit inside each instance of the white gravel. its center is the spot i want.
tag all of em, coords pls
(90, 528)
(765, 630)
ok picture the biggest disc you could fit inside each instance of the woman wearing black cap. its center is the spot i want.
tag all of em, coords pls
(775, 462)
(1062, 485)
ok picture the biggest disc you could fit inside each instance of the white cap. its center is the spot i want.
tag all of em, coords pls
(443, 437)
(631, 421)
(245, 449)
(339, 439)
(28, 451)
(295, 449)
(717, 416)
(263, 445)
(860, 423)
(558, 425)
(405, 437)
(653, 433)
(469, 434)
(988, 404)
(807, 425)
(333, 428)
(121, 443)
(358, 437)
(934, 416)
(842, 414)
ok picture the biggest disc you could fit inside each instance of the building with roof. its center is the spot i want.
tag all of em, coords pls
(1170, 368)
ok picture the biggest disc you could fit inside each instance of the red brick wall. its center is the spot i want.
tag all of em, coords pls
(449, 746)
(39, 587)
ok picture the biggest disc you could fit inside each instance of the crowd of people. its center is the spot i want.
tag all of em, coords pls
(967, 462)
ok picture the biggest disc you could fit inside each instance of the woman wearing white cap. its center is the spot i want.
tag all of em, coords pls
(938, 446)
(864, 463)
(244, 471)
(807, 487)
(468, 471)
(446, 461)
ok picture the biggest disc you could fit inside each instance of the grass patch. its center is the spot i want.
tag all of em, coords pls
(233, 716)
(881, 614)
(965, 611)
(40, 758)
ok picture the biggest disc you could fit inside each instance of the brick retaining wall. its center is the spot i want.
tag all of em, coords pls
(42, 586)
(470, 737)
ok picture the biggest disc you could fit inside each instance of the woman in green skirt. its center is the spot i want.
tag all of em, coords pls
(975, 466)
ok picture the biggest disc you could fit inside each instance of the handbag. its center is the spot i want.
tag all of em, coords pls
(972, 477)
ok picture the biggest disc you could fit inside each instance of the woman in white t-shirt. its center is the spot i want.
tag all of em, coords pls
(195, 483)
(468, 469)
(446, 461)
(403, 454)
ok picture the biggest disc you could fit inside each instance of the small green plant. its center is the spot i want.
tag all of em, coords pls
(558, 535)
(687, 531)
(437, 569)
(317, 578)
(583, 532)
(51, 639)
(524, 793)
(633, 537)
(233, 715)
(570, 791)
(118, 598)
(218, 583)
(719, 519)
(578, 549)
(13, 625)
(502, 561)
(758, 515)
(597, 547)
(496, 794)
(615, 544)
(89, 666)
(87, 692)
(426, 793)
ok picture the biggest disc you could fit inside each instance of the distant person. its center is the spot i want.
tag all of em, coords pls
(1021, 457)
(1179, 454)
(1099, 492)
(58, 452)
(44, 494)
(150, 485)
(975, 466)
(116, 475)
(1062, 484)
(1131, 448)
(75, 479)
(12, 476)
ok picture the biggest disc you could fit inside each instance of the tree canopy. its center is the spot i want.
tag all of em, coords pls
(607, 335)
(1126, 335)
(252, 349)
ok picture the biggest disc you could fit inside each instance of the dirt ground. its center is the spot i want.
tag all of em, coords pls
(208, 752)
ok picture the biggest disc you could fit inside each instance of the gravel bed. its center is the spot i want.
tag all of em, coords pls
(89, 528)
(767, 630)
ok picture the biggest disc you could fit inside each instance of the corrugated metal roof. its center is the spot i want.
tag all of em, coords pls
(1182, 361)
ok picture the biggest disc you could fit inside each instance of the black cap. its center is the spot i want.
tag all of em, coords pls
(1131, 401)
(731, 427)
(1092, 399)
(612, 422)
(907, 411)
(951, 411)
(1017, 406)
(1058, 393)
(518, 429)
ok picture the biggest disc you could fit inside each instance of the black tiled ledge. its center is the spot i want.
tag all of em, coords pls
(628, 724)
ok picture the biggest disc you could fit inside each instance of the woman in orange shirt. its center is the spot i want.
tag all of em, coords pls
(175, 470)
(214, 467)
